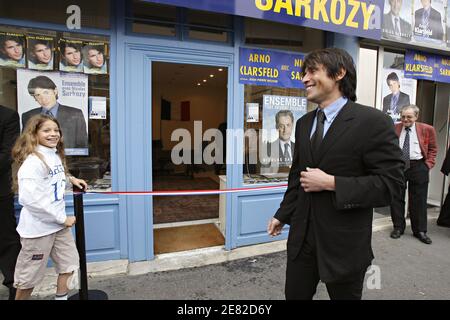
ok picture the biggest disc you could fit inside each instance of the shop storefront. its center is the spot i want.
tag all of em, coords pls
(173, 74)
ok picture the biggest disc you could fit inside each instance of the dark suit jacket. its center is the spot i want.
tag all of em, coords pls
(427, 141)
(73, 125)
(9, 130)
(435, 23)
(403, 100)
(361, 150)
(389, 30)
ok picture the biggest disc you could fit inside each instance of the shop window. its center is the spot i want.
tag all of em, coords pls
(94, 14)
(270, 117)
(68, 75)
(171, 21)
(209, 26)
(153, 19)
(268, 34)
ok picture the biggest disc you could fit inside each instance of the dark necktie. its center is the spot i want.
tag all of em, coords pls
(286, 156)
(405, 149)
(425, 17)
(49, 113)
(397, 26)
(394, 102)
(317, 137)
(426, 22)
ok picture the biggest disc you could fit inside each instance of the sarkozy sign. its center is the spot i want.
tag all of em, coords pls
(360, 18)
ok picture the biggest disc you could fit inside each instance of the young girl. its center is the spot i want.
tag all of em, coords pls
(39, 176)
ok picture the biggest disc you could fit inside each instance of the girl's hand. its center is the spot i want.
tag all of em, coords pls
(70, 221)
(80, 183)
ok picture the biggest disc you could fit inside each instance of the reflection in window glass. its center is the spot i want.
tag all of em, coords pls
(209, 26)
(94, 14)
(96, 167)
(153, 18)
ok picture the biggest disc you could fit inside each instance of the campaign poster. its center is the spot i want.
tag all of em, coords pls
(95, 57)
(429, 21)
(40, 52)
(397, 20)
(397, 92)
(70, 59)
(63, 96)
(280, 113)
(12, 50)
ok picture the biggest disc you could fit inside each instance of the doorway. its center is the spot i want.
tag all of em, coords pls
(187, 101)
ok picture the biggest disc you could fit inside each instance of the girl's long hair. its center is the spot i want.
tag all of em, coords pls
(27, 143)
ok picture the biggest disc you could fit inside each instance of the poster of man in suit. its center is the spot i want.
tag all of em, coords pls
(397, 91)
(63, 96)
(397, 20)
(428, 21)
(280, 114)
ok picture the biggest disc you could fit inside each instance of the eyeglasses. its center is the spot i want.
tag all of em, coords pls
(44, 93)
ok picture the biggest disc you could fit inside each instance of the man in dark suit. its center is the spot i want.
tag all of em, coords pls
(428, 22)
(394, 101)
(394, 27)
(346, 162)
(418, 141)
(72, 121)
(9, 238)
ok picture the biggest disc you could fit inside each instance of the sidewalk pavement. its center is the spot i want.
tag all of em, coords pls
(408, 269)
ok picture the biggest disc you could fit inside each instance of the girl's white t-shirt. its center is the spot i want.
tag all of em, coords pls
(41, 193)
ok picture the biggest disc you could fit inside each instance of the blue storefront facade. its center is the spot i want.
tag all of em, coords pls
(121, 226)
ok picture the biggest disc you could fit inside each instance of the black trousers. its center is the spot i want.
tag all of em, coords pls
(9, 240)
(417, 177)
(302, 276)
(444, 215)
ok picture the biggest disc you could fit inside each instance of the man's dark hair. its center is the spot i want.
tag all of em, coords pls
(334, 60)
(283, 113)
(42, 82)
(392, 77)
(4, 38)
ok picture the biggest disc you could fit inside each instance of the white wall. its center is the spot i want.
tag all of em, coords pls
(367, 77)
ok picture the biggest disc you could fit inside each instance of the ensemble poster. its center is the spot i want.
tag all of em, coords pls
(63, 96)
(280, 113)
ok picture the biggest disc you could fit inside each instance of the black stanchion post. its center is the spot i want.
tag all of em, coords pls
(83, 293)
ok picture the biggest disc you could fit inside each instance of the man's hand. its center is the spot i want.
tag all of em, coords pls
(315, 180)
(274, 227)
(70, 221)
